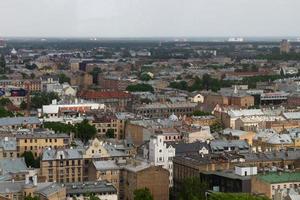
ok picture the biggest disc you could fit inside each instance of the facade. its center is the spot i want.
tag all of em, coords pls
(106, 122)
(107, 170)
(32, 85)
(193, 134)
(190, 165)
(137, 177)
(230, 181)
(272, 182)
(119, 101)
(37, 142)
(161, 110)
(285, 46)
(162, 154)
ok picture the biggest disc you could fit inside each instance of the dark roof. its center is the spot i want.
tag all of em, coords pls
(189, 148)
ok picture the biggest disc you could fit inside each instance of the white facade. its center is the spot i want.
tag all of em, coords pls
(245, 171)
(198, 98)
(161, 155)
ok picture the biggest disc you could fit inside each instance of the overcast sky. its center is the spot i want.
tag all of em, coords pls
(149, 18)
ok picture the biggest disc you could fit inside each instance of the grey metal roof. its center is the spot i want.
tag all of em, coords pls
(47, 189)
(8, 144)
(16, 165)
(221, 144)
(189, 148)
(106, 165)
(9, 121)
(54, 154)
(89, 187)
(11, 187)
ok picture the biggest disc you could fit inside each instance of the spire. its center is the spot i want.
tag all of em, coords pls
(235, 90)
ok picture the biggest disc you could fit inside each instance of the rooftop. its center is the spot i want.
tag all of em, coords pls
(283, 177)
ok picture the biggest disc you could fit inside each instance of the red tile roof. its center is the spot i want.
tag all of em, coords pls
(104, 95)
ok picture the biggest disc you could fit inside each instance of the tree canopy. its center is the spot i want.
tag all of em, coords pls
(110, 133)
(145, 77)
(63, 78)
(42, 98)
(85, 131)
(30, 160)
(59, 127)
(141, 87)
(142, 194)
(235, 196)
(193, 189)
(31, 198)
(2, 64)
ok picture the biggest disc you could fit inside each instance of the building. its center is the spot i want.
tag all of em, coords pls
(57, 109)
(62, 166)
(32, 85)
(109, 84)
(105, 122)
(192, 134)
(107, 170)
(8, 147)
(221, 146)
(14, 123)
(233, 181)
(37, 142)
(119, 101)
(161, 154)
(285, 47)
(272, 182)
(101, 189)
(18, 190)
(161, 110)
(137, 176)
(273, 98)
(191, 165)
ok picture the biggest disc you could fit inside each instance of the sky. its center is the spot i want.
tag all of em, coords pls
(149, 18)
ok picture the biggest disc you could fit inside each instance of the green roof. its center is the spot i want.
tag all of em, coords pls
(284, 177)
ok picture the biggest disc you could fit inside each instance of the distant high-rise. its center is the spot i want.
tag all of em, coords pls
(2, 43)
(285, 46)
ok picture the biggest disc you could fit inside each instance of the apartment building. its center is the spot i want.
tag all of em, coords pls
(161, 110)
(36, 142)
(116, 100)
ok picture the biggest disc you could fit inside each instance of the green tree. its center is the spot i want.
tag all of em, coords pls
(216, 127)
(23, 105)
(200, 113)
(5, 101)
(2, 64)
(42, 98)
(145, 77)
(85, 131)
(31, 198)
(206, 79)
(141, 87)
(193, 189)
(29, 158)
(93, 197)
(5, 113)
(110, 133)
(142, 194)
(59, 127)
(63, 78)
(235, 196)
